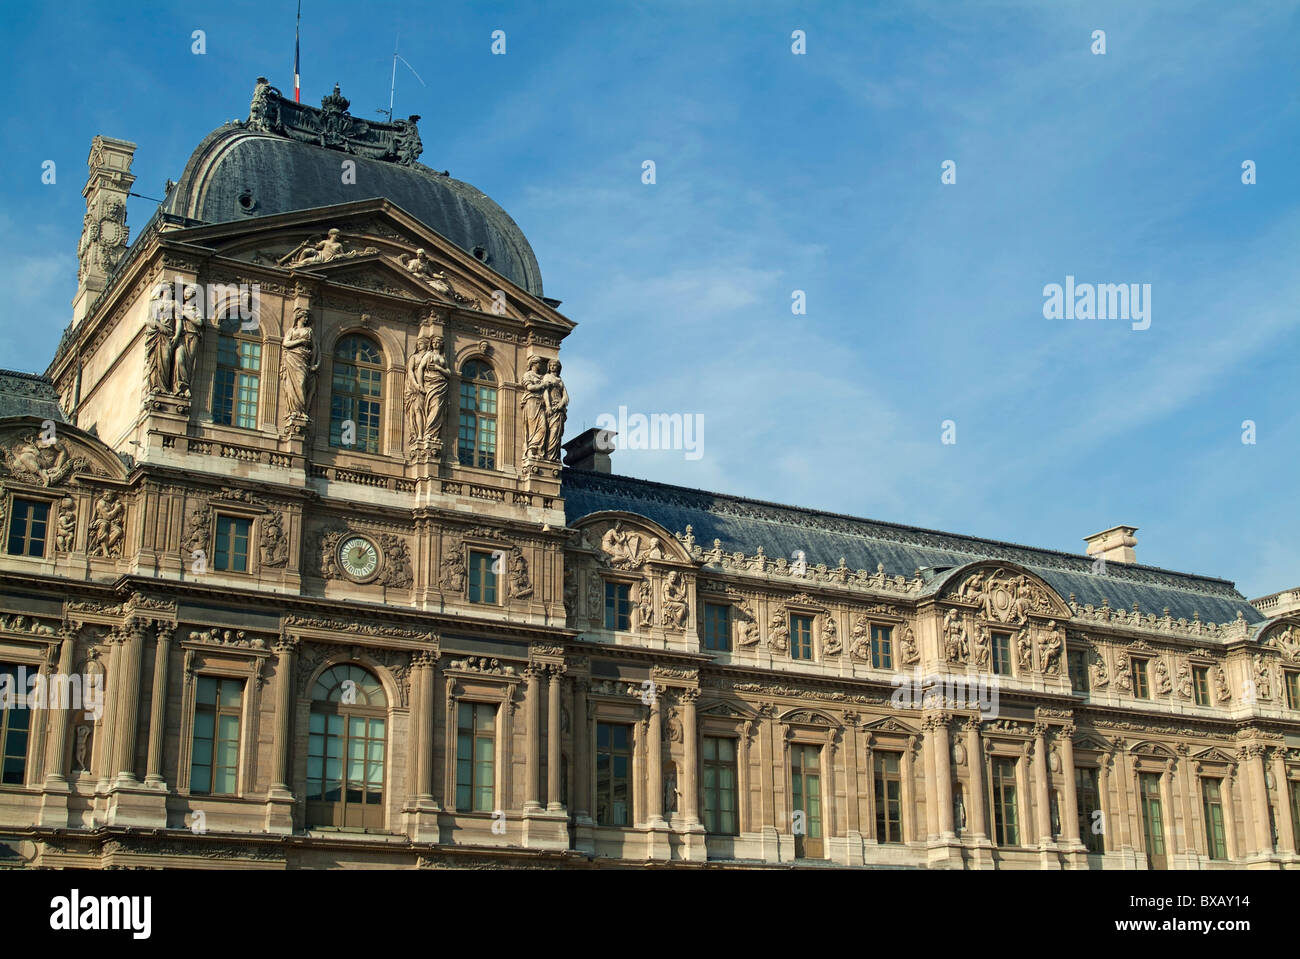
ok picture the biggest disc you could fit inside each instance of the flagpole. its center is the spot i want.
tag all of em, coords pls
(297, 84)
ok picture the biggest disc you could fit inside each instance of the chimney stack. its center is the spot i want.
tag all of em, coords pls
(590, 450)
(103, 231)
(1114, 545)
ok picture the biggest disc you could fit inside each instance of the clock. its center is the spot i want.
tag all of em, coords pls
(359, 558)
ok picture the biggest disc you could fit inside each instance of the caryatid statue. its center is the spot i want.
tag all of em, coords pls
(557, 409)
(189, 330)
(428, 377)
(300, 359)
(160, 332)
(534, 404)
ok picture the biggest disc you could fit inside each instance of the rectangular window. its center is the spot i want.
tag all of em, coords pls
(1006, 812)
(235, 384)
(1088, 796)
(613, 774)
(476, 757)
(1214, 829)
(1292, 680)
(618, 606)
(356, 398)
(15, 725)
(1002, 654)
(882, 647)
(1153, 820)
(1141, 688)
(1201, 684)
(1078, 666)
(476, 443)
(717, 627)
(720, 786)
(28, 527)
(801, 637)
(889, 798)
(482, 578)
(232, 544)
(214, 767)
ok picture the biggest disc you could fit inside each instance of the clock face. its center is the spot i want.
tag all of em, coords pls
(359, 558)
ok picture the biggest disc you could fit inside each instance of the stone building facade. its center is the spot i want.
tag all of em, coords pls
(290, 498)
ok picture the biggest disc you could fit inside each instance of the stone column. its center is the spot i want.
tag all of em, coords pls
(581, 752)
(129, 702)
(553, 741)
(533, 786)
(942, 752)
(1103, 800)
(284, 650)
(1070, 814)
(1229, 818)
(424, 727)
(654, 766)
(158, 708)
(1120, 822)
(690, 775)
(56, 747)
(745, 804)
(975, 751)
(1259, 796)
(1167, 801)
(931, 780)
(851, 794)
(1286, 839)
(1042, 790)
(908, 791)
(870, 760)
(108, 726)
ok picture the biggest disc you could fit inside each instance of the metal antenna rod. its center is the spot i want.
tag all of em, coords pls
(392, 89)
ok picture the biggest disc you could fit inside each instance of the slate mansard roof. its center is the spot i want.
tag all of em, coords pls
(27, 394)
(744, 525)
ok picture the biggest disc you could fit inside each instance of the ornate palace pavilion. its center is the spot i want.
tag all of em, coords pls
(293, 577)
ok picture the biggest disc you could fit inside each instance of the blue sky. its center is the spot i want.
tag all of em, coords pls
(820, 173)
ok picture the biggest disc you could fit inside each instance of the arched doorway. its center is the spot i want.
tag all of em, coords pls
(345, 749)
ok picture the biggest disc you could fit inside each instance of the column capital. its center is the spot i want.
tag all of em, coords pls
(425, 658)
(935, 721)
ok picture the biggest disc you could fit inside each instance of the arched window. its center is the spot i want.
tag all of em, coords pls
(356, 394)
(478, 415)
(238, 377)
(345, 749)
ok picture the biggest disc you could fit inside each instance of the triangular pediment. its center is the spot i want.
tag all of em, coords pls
(728, 709)
(891, 725)
(1215, 755)
(376, 247)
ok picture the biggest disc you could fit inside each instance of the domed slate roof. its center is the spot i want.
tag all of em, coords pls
(286, 157)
